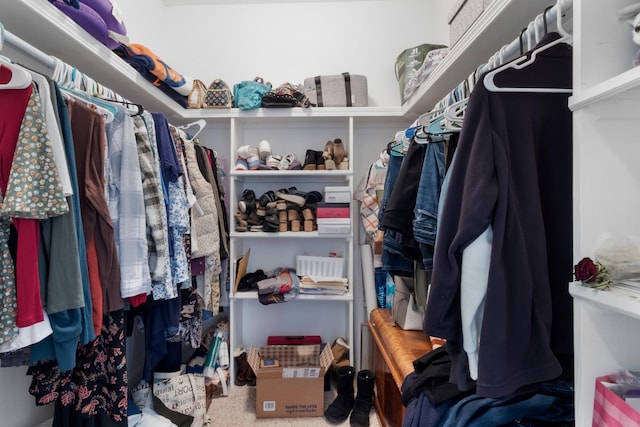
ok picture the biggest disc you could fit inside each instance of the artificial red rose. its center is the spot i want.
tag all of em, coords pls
(586, 270)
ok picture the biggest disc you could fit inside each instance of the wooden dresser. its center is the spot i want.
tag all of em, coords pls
(394, 351)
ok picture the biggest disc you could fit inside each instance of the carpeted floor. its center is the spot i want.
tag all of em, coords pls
(239, 410)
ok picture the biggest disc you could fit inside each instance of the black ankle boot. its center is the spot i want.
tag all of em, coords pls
(339, 409)
(364, 399)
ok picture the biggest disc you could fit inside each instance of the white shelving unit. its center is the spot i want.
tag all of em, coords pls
(606, 114)
(324, 315)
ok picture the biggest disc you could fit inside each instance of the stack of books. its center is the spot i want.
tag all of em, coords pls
(323, 285)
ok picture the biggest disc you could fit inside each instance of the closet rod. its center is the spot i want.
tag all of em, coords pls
(25, 48)
(512, 50)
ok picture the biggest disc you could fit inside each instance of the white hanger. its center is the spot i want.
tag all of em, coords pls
(454, 114)
(523, 61)
(20, 78)
(200, 123)
(107, 111)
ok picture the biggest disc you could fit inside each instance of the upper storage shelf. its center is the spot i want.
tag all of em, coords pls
(42, 25)
(498, 25)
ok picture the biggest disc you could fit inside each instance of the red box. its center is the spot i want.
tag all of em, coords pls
(611, 410)
(293, 339)
(333, 210)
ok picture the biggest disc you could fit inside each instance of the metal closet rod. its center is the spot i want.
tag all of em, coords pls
(25, 48)
(21, 46)
(512, 50)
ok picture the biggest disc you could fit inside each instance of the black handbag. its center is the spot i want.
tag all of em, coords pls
(285, 96)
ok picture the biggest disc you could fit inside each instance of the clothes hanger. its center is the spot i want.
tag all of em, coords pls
(20, 79)
(524, 61)
(199, 123)
(106, 110)
(139, 109)
(454, 115)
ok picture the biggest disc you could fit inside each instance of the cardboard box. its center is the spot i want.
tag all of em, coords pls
(294, 388)
(340, 194)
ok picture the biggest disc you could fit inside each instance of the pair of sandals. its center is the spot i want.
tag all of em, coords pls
(299, 198)
(289, 162)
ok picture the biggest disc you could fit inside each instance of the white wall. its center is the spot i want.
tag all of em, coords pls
(288, 41)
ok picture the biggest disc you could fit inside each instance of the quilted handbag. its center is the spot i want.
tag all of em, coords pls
(218, 95)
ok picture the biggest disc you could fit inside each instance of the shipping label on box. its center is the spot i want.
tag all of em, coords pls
(301, 372)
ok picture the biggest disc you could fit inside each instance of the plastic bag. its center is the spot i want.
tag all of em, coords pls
(248, 94)
(621, 256)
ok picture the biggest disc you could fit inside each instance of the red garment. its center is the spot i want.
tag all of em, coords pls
(137, 300)
(13, 104)
(95, 285)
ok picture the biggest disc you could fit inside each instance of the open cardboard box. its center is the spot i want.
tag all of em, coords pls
(294, 387)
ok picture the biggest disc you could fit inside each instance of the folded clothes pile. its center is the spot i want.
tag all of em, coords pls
(151, 67)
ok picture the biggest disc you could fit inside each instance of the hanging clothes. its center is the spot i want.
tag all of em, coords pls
(126, 205)
(513, 171)
(89, 136)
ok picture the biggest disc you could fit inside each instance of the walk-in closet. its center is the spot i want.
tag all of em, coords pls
(316, 212)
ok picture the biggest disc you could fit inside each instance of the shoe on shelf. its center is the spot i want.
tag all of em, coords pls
(273, 161)
(310, 161)
(338, 150)
(241, 222)
(247, 151)
(344, 164)
(241, 164)
(289, 194)
(266, 198)
(271, 221)
(307, 214)
(247, 203)
(329, 163)
(295, 165)
(264, 151)
(319, 161)
(286, 161)
(328, 149)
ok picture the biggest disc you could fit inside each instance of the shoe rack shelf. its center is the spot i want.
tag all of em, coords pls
(329, 316)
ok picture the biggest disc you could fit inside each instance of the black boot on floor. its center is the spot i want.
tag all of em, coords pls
(364, 399)
(340, 408)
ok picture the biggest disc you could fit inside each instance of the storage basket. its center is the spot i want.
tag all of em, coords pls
(319, 266)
